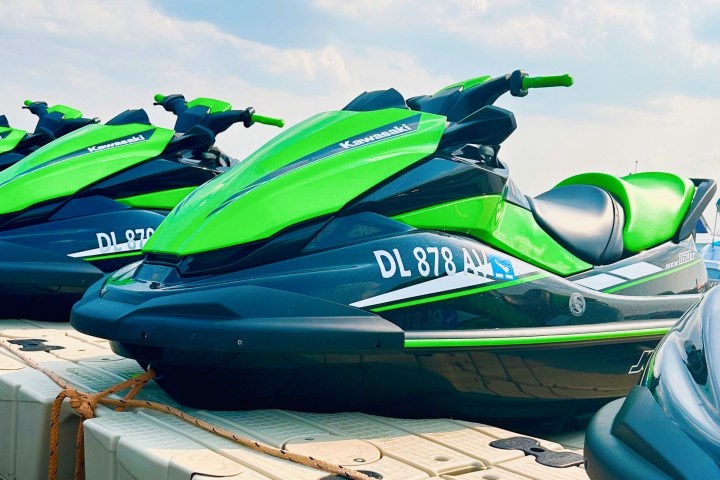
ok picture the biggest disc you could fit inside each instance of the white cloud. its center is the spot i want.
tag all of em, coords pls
(355, 8)
(675, 134)
(574, 26)
(104, 57)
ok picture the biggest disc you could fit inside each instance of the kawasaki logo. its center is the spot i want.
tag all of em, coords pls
(391, 132)
(119, 143)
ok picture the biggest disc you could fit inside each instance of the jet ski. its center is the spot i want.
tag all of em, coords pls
(85, 204)
(668, 426)
(53, 122)
(381, 258)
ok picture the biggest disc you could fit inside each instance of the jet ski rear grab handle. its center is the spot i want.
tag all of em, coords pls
(84, 405)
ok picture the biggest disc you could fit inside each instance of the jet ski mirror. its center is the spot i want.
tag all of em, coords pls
(490, 125)
(198, 138)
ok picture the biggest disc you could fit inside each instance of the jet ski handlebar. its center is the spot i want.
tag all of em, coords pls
(53, 122)
(41, 109)
(275, 122)
(519, 82)
(221, 121)
(218, 121)
(544, 82)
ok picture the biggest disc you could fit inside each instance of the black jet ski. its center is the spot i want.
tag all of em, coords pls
(53, 122)
(708, 244)
(668, 426)
(86, 203)
(381, 258)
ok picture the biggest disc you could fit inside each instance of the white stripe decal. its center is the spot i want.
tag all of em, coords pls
(636, 270)
(522, 268)
(119, 248)
(600, 281)
(437, 285)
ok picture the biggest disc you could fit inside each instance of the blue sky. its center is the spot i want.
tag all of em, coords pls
(646, 71)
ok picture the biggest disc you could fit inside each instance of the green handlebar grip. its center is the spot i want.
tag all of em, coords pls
(278, 122)
(543, 82)
(159, 97)
(28, 103)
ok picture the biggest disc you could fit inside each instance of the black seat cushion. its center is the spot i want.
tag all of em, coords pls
(584, 219)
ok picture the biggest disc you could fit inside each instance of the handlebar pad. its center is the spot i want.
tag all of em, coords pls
(276, 122)
(544, 82)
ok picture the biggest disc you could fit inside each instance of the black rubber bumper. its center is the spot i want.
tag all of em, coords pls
(631, 438)
(237, 320)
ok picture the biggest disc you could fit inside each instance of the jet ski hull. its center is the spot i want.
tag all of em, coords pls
(258, 347)
(668, 425)
(466, 383)
(46, 268)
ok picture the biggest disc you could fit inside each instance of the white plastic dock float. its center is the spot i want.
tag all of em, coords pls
(145, 444)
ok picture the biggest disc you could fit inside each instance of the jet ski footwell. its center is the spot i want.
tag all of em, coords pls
(144, 444)
(238, 348)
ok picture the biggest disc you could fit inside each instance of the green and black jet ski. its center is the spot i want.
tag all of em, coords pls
(668, 426)
(53, 122)
(85, 204)
(381, 258)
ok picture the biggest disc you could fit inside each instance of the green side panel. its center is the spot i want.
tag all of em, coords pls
(10, 140)
(68, 112)
(77, 160)
(507, 227)
(164, 200)
(309, 170)
(535, 340)
(655, 204)
(465, 84)
(214, 105)
(113, 255)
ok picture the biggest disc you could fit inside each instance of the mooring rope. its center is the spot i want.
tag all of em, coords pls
(85, 403)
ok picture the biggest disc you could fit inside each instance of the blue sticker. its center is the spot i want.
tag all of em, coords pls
(502, 267)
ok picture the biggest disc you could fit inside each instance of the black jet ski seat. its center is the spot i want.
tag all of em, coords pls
(584, 219)
(653, 205)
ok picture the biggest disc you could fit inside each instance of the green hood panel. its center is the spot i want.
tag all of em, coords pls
(77, 160)
(503, 225)
(9, 138)
(308, 171)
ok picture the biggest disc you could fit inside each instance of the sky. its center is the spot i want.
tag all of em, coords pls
(645, 72)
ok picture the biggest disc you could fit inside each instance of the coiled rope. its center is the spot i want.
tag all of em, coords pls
(85, 403)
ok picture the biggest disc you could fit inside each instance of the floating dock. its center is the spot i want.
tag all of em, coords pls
(147, 445)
